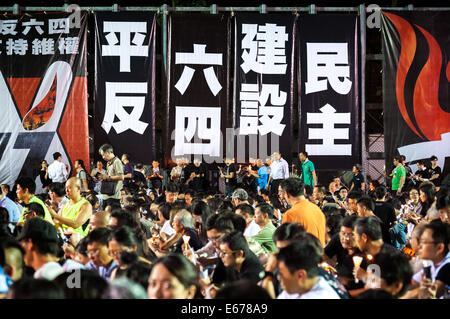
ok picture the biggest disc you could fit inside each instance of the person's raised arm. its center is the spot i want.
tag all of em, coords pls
(83, 216)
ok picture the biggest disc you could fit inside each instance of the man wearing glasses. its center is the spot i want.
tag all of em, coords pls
(434, 246)
(98, 253)
(235, 254)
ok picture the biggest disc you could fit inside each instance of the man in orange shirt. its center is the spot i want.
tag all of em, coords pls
(302, 211)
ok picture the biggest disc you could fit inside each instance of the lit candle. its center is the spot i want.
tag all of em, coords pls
(186, 239)
(369, 257)
(357, 261)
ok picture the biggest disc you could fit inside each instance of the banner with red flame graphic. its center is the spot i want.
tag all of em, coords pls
(43, 92)
(416, 86)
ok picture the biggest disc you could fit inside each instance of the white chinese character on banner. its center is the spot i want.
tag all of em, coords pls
(249, 97)
(115, 104)
(8, 27)
(19, 46)
(199, 56)
(329, 61)
(57, 26)
(68, 45)
(127, 47)
(328, 118)
(44, 46)
(269, 116)
(32, 23)
(266, 54)
(197, 121)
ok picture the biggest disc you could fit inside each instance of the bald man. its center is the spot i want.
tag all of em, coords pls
(99, 220)
(75, 213)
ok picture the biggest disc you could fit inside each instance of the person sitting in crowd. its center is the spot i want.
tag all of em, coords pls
(235, 253)
(263, 218)
(25, 193)
(173, 277)
(97, 250)
(41, 243)
(299, 271)
(248, 212)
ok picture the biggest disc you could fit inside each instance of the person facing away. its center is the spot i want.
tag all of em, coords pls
(58, 171)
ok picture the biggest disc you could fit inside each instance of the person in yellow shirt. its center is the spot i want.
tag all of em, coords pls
(25, 193)
(75, 214)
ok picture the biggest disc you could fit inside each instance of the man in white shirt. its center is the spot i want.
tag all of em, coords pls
(279, 170)
(248, 212)
(58, 171)
(299, 271)
(40, 241)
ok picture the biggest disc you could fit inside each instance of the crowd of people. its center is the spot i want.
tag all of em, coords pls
(124, 231)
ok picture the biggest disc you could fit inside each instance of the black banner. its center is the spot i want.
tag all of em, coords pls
(198, 86)
(416, 89)
(329, 90)
(264, 85)
(124, 114)
(43, 92)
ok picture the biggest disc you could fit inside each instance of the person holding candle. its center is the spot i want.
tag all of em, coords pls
(183, 223)
(368, 238)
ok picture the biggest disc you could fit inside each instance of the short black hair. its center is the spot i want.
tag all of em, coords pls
(441, 233)
(124, 218)
(380, 191)
(288, 231)
(190, 192)
(236, 241)
(99, 235)
(395, 267)
(56, 155)
(349, 221)
(37, 208)
(266, 209)
(222, 223)
(165, 208)
(238, 221)
(398, 158)
(293, 186)
(367, 202)
(301, 254)
(27, 183)
(246, 209)
(369, 226)
(172, 188)
(355, 195)
(58, 188)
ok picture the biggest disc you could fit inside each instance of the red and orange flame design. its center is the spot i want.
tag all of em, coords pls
(42, 113)
(432, 120)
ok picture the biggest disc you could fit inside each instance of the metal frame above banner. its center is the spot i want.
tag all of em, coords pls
(263, 9)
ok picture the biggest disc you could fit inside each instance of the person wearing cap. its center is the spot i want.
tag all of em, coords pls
(25, 193)
(75, 214)
(40, 241)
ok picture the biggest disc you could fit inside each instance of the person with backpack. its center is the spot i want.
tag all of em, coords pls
(87, 182)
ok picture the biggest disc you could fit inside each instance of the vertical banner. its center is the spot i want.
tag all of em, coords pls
(416, 88)
(264, 84)
(329, 90)
(43, 89)
(124, 112)
(198, 85)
